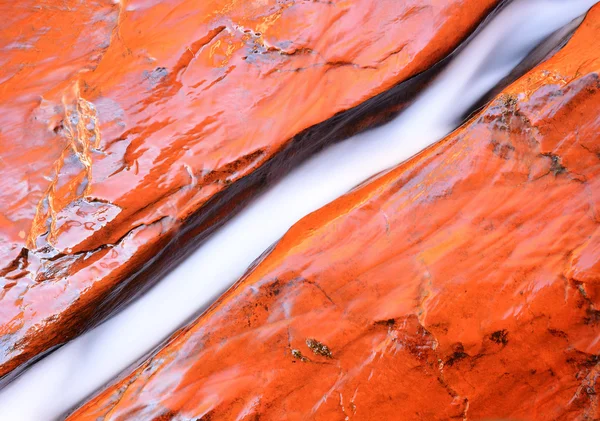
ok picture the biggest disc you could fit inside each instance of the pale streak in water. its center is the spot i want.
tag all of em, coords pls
(60, 381)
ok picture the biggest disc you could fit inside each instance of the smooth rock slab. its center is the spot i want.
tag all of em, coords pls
(462, 284)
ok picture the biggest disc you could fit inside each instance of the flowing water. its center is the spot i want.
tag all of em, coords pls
(56, 384)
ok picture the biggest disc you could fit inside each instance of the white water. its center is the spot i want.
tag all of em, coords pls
(60, 381)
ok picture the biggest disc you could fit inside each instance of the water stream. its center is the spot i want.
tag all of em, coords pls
(56, 384)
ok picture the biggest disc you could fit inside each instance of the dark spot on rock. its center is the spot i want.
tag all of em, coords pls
(274, 288)
(500, 337)
(591, 361)
(557, 333)
(388, 322)
(459, 354)
(510, 101)
(503, 150)
(593, 316)
(59, 127)
(298, 355)
(319, 348)
(556, 167)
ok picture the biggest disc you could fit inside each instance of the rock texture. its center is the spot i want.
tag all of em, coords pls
(142, 124)
(463, 284)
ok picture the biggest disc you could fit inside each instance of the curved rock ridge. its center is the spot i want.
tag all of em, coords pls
(143, 124)
(462, 284)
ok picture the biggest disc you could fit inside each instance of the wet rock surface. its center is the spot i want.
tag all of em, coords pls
(462, 284)
(143, 124)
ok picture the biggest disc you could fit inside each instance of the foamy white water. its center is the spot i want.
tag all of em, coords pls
(60, 381)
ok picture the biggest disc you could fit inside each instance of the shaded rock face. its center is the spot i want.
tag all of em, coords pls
(142, 124)
(461, 284)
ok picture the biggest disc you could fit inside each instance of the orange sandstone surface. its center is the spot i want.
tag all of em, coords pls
(130, 126)
(462, 284)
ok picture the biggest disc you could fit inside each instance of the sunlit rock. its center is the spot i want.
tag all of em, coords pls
(460, 285)
(135, 119)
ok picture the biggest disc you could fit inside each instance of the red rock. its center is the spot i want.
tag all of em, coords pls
(136, 120)
(462, 284)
